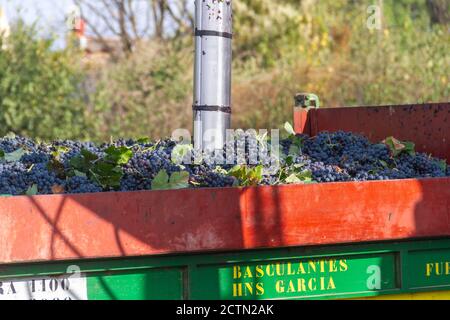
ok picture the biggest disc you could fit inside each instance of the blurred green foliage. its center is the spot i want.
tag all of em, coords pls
(280, 48)
(39, 87)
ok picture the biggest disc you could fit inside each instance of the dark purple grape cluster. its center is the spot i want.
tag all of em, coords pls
(344, 156)
(29, 167)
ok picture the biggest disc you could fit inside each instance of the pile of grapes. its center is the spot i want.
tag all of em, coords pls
(28, 167)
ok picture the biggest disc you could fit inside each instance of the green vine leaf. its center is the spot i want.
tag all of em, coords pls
(299, 177)
(181, 153)
(143, 140)
(398, 147)
(297, 140)
(289, 129)
(32, 190)
(178, 180)
(247, 176)
(118, 155)
(106, 171)
(443, 165)
(106, 174)
(12, 156)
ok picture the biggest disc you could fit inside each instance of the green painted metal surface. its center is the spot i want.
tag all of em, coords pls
(331, 272)
(146, 284)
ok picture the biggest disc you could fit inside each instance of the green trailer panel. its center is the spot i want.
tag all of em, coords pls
(146, 284)
(331, 272)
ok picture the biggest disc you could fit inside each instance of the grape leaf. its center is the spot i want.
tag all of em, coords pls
(178, 180)
(83, 162)
(118, 155)
(443, 165)
(289, 129)
(294, 150)
(143, 140)
(79, 164)
(300, 177)
(247, 176)
(398, 147)
(79, 174)
(161, 181)
(297, 140)
(32, 190)
(181, 153)
(88, 156)
(292, 179)
(59, 151)
(106, 174)
(12, 156)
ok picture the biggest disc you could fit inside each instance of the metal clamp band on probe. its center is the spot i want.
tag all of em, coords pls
(212, 33)
(212, 108)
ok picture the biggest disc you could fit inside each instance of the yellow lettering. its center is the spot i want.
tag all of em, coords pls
(439, 267)
(248, 272)
(279, 286)
(311, 266)
(301, 269)
(237, 289)
(237, 272)
(322, 283)
(302, 285)
(332, 264)
(270, 272)
(280, 269)
(249, 289)
(331, 284)
(312, 284)
(322, 266)
(429, 269)
(259, 272)
(291, 287)
(290, 272)
(343, 265)
(259, 289)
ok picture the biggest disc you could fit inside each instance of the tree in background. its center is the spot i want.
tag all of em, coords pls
(134, 20)
(39, 88)
(439, 11)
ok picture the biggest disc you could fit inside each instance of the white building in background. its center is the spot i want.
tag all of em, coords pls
(4, 25)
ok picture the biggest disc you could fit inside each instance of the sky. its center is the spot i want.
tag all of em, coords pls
(50, 14)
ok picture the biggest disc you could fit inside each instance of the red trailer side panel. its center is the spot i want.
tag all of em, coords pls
(155, 222)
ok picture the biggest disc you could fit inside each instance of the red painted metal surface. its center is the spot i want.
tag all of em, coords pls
(155, 222)
(302, 121)
(428, 125)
